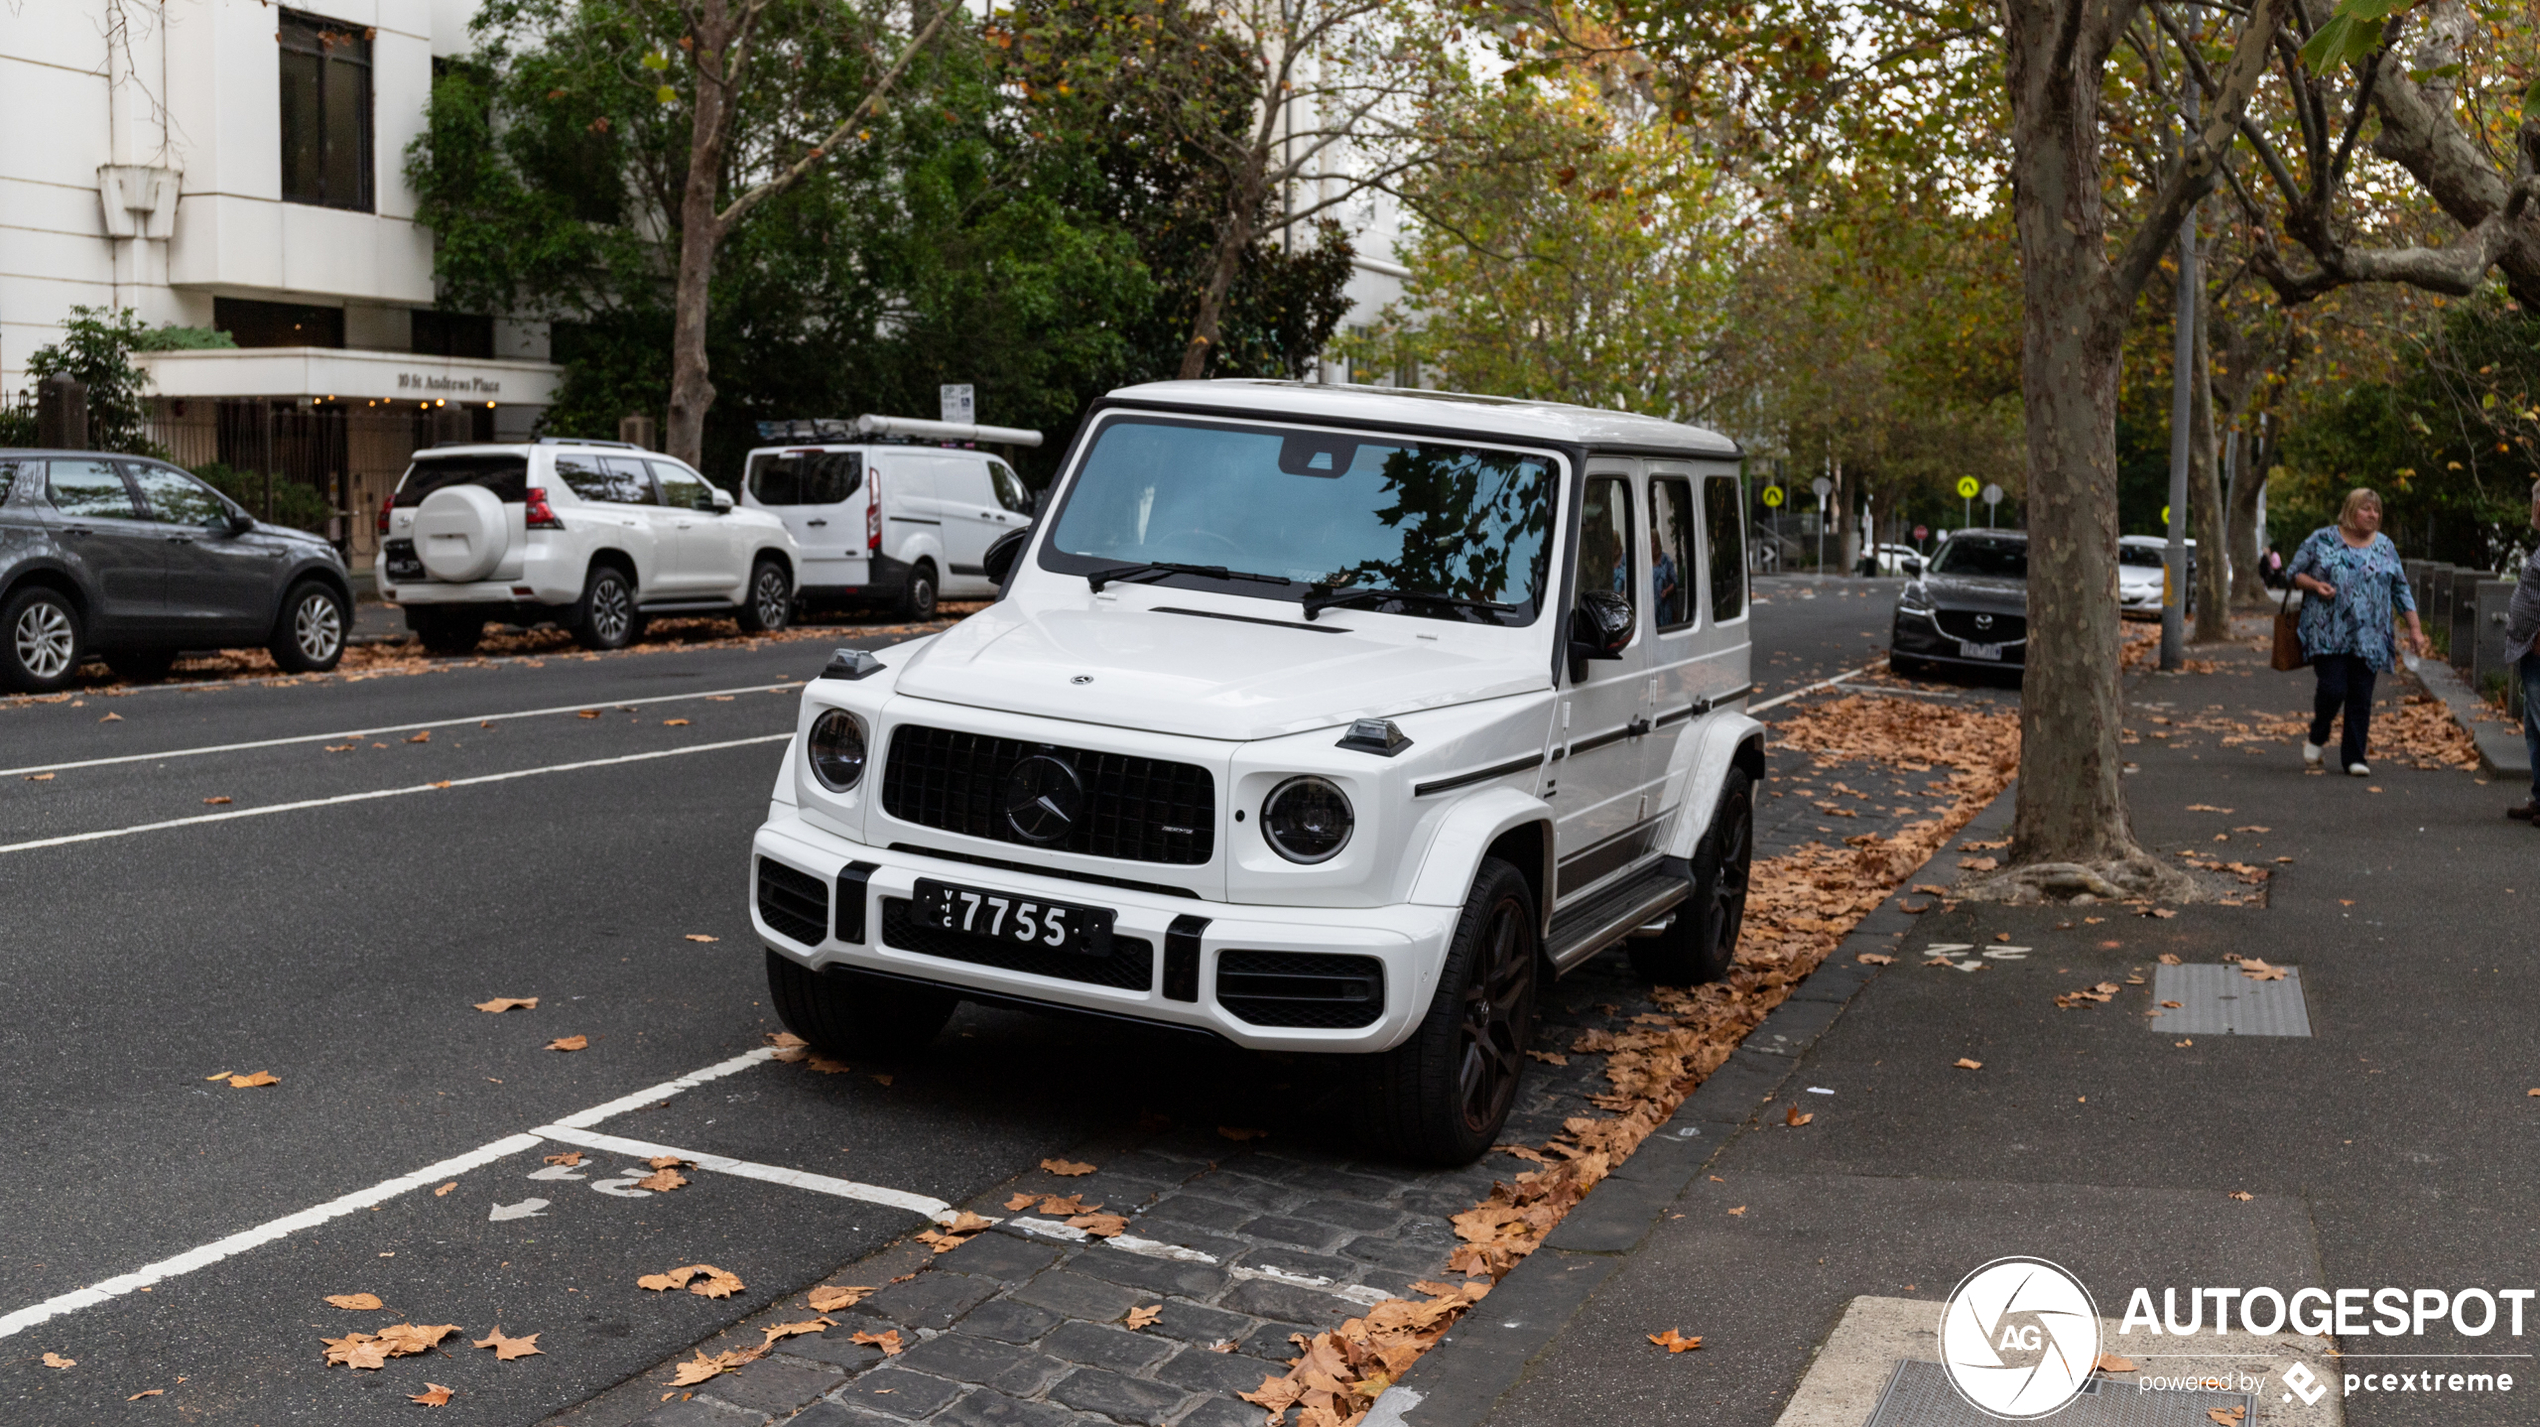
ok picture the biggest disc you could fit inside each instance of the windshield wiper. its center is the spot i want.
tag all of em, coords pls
(1317, 602)
(1151, 569)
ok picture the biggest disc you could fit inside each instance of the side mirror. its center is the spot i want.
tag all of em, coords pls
(1601, 626)
(1913, 568)
(237, 522)
(1002, 553)
(718, 500)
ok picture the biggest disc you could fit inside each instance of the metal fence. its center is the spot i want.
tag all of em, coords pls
(350, 455)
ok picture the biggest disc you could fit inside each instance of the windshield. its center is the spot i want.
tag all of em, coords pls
(805, 477)
(1319, 510)
(1999, 559)
(2148, 555)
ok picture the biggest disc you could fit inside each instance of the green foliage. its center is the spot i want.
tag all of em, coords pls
(172, 338)
(2352, 32)
(294, 504)
(96, 348)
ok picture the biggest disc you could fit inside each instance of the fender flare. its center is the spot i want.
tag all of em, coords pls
(1455, 853)
(1725, 741)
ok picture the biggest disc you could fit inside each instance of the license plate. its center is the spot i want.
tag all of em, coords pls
(1978, 651)
(402, 561)
(1018, 921)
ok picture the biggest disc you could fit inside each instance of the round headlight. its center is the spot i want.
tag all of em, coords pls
(836, 749)
(1307, 819)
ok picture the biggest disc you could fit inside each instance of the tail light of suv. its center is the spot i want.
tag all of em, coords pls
(385, 503)
(542, 516)
(872, 510)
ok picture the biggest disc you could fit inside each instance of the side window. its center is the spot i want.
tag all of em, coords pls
(584, 476)
(1010, 489)
(681, 488)
(628, 485)
(177, 498)
(1605, 538)
(1671, 551)
(1724, 525)
(93, 489)
(9, 477)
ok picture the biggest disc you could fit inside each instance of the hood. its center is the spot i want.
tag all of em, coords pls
(1216, 678)
(295, 536)
(1977, 592)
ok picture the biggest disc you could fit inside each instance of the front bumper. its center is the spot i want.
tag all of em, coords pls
(1917, 636)
(1410, 942)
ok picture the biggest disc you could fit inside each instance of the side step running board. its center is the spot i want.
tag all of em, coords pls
(1582, 931)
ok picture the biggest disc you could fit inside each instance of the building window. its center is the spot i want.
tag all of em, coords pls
(326, 139)
(278, 324)
(453, 334)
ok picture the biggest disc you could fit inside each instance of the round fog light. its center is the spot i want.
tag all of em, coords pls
(1307, 819)
(836, 750)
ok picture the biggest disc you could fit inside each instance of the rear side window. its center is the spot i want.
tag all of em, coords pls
(1671, 551)
(9, 477)
(506, 476)
(1724, 526)
(805, 477)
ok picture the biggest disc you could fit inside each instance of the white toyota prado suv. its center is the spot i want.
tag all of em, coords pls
(596, 536)
(1315, 718)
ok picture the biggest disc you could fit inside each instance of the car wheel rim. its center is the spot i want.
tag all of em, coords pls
(608, 610)
(318, 627)
(1496, 1002)
(44, 640)
(771, 598)
(1728, 886)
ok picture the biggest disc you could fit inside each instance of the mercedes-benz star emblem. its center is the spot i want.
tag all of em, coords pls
(1044, 799)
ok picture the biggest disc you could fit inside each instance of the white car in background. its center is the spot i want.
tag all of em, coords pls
(2140, 562)
(881, 519)
(595, 536)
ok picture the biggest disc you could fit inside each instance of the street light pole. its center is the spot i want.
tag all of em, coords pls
(2191, 285)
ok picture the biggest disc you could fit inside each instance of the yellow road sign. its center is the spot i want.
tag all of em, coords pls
(1967, 487)
(1772, 495)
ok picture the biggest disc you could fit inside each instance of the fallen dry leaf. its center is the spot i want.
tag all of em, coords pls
(1875, 958)
(1675, 1342)
(662, 1181)
(215, 802)
(701, 1367)
(2243, 1195)
(1739, 1210)
(699, 1278)
(2162, 912)
(358, 1302)
(445, 1189)
(1066, 1169)
(785, 1040)
(888, 1342)
(509, 1003)
(824, 1064)
(506, 1349)
(828, 1299)
(2185, 1043)
(147, 1392)
(568, 1159)
(1979, 864)
(1794, 1119)
(1058, 1208)
(250, 1082)
(2257, 970)
(433, 1395)
(792, 1330)
(1101, 1226)
(111, 718)
(2227, 1416)
(1963, 1063)
(942, 1243)
(372, 1350)
(1021, 1201)
(1549, 1057)
(701, 936)
(674, 723)
(47, 778)
(881, 1079)
(2172, 1005)
(1239, 1135)
(569, 1043)
(588, 713)
(2205, 808)
(1144, 1317)
(56, 1360)
(966, 1222)
(2110, 1362)
(2171, 959)
(1226, 1345)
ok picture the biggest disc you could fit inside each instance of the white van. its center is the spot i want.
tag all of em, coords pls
(889, 519)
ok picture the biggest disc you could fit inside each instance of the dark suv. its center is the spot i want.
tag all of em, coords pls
(133, 559)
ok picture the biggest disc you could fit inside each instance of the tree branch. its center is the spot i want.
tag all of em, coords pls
(2193, 176)
(871, 104)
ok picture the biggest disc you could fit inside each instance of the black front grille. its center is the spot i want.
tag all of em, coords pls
(1131, 965)
(1296, 988)
(1997, 628)
(1136, 809)
(795, 903)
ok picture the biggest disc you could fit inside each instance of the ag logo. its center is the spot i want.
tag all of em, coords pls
(2019, 1338)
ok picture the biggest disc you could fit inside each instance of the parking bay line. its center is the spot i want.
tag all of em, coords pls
(774, 688)
(1777, 700)
(376, 793)
(336, 1208)
(792, 1178)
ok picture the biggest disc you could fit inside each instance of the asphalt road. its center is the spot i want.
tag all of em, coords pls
(331, 924)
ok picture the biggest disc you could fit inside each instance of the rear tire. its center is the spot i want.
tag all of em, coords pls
(309, 638)
(1701, 942)
(39, 641)
(606, 618)
(844, 1013)
(917, 597)
(449, 631)
(141, 666)
(768, 605)
(1442, 1096)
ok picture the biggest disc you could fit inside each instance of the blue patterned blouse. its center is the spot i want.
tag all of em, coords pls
(2371, 591)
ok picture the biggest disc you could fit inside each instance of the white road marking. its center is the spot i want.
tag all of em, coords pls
(379, 1193)
(306, 803)
(390, 728)
(1150, 1248)
(1777, 700)
(920, 1204)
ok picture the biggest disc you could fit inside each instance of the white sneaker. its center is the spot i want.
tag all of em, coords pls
(2312, 752)
(2359, 770)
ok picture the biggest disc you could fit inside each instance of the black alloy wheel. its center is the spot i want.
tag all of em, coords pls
(1701, 943)
(1442, 1096)
(770, 602)
(607, 618)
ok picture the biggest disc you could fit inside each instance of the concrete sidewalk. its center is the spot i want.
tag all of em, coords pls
(2392, 1145)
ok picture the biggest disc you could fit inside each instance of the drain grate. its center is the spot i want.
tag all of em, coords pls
(1919, 1395)
(2219, 1001)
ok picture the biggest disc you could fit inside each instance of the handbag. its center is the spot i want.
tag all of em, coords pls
(2288, 633)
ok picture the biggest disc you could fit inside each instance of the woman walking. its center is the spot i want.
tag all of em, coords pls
(2355, 590)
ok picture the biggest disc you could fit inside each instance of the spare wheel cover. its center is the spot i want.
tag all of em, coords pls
(460, 533)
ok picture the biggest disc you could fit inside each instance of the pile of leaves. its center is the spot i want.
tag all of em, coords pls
(1337, 1375)
(373, 1350)
(1914, 735)
(2422, 733)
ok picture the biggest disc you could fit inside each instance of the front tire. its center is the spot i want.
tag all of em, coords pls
(1701, 942)
(1442, 1096)
(309, 638)
(39, 641)
(769, 604)
(607, 617)
(917, 597)
(844, 1013)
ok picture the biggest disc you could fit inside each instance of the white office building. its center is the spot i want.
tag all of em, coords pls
(239, 165)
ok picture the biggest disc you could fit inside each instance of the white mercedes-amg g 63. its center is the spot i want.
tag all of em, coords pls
(1316, 718)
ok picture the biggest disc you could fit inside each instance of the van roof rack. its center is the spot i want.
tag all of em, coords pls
(582, 441)
(871, 428)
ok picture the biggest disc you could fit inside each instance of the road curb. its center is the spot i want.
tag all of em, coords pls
(2500, 749)
(1490, 1350)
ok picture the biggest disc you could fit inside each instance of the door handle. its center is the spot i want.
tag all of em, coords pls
(815, 522)
(1639, 726)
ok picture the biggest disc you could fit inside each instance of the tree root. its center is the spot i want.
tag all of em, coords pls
(2131, 879)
